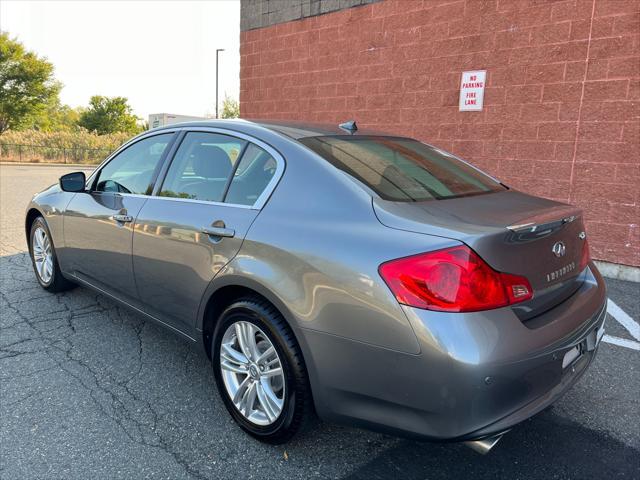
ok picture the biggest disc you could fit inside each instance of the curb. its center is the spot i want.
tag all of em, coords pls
(618, 271)
(43, 164)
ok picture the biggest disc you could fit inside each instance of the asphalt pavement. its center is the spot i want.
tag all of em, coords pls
(91, 390)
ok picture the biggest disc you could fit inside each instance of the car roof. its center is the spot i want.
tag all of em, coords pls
(301, 129)
(293, 129)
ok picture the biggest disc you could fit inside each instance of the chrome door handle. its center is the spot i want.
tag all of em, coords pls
(123, 218)
(219, 231)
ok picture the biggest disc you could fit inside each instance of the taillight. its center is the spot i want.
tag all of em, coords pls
(585, 258)
(452, 280)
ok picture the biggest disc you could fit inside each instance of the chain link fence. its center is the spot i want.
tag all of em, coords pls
(22, 153)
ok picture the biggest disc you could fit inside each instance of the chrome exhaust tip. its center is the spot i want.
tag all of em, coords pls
(485, 445)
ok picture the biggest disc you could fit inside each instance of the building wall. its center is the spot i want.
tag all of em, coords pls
(561, 113)
(263, 13)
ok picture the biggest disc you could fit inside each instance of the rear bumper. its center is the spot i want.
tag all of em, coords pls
(568, 378)
(478, 374)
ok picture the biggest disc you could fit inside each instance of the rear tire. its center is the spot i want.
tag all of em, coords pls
(44, 258)
(291, 394)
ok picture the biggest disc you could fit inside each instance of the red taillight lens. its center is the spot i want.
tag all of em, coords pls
(585, 258)
(452, 280)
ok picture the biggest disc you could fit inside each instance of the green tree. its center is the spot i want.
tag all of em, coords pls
(109, 115)
(56, 117)
(230, 108)
(27, 84)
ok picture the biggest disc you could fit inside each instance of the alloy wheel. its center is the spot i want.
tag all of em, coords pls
(252, 373)
(42, 254)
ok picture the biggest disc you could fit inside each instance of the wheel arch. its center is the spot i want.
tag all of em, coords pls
(229, 288)
(31, 216)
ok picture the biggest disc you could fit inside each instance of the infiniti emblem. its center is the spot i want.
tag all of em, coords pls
(559, 249)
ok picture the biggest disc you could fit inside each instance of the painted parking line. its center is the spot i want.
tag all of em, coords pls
(624, 319)
(628, 323)
(621, 342)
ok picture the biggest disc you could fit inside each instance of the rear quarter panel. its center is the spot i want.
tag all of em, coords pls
(316, 247)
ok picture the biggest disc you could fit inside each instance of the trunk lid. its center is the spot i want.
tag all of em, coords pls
(512, 231)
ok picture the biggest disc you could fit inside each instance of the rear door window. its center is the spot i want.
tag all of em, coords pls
(255, 171)
(402, 169)
(202, 166)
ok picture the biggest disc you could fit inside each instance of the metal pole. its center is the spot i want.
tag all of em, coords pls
(218, 50)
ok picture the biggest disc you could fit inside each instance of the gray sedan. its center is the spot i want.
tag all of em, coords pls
(365, 278)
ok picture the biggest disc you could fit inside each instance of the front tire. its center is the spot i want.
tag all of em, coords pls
(44, 259)
(260, 372)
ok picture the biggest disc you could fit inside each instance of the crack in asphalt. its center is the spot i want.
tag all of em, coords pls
(120, 398)
(59, 329)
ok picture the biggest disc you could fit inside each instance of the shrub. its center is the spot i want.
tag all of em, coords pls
(78, 146)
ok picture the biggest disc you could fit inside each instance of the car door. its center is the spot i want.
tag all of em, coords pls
(195, 224)
(98, 225)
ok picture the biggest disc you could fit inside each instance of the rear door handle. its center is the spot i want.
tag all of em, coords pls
(123, 218)
(219, 231)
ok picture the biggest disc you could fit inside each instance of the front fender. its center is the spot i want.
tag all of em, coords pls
(51, 205)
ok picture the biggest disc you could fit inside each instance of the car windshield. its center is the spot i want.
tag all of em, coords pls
(402, 169)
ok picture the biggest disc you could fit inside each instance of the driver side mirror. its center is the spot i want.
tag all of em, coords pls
(73, 182)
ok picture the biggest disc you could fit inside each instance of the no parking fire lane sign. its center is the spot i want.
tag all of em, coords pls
(472, 90)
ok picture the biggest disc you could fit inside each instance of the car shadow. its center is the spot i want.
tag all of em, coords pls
(546, 446)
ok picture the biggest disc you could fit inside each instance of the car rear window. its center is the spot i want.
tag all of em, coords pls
(402, 169)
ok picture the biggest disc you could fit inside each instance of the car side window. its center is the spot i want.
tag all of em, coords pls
(131, 171)
(202, 166)
(255, 171)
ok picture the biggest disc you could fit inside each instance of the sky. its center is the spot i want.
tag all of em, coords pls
(161, 55)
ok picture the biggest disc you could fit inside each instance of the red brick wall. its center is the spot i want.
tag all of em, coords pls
(561, 113)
